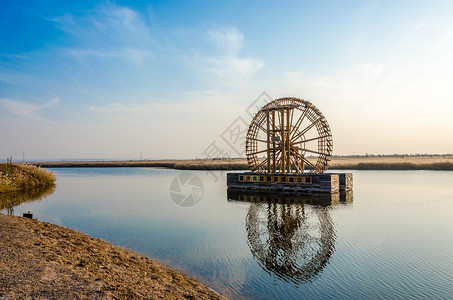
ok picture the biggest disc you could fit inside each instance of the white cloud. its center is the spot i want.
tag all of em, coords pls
(186, 105)
(108, 31)
(228, 66)
(229, 40)
(348, 84)
(25, 109)
(14, 56)
(235, 70)
(18, 113)
(179, 128)
(133, 54)
(444, 45)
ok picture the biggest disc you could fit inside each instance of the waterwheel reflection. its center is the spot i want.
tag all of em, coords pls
(291, 237)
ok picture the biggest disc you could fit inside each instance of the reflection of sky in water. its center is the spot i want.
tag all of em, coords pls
(394, 239)
(12, 199)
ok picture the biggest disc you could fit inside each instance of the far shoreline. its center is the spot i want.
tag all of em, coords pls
(396, 162)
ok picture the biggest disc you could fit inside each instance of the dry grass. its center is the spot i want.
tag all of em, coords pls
(402, 162)
(395, 162)
(189, 164)
(19, 177)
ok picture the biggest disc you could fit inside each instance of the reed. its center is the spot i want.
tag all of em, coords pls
(437, 166)
(18, 177)
(370, 162)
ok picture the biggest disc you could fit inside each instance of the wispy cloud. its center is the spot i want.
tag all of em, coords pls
(108, 31)
(122, 108)
(232, 69)
(228, 65)
(351, 84)
(445, 44)
(228, 40)
(15, 113)
(190, 104)
(133, 54)
(14, 56)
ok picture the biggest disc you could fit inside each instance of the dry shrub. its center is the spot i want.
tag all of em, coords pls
(18, 177)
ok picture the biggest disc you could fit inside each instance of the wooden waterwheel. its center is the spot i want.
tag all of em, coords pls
(289, 135)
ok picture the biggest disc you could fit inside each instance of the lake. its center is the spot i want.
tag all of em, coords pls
(392, 238)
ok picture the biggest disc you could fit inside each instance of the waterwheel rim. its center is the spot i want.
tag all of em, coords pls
(289, 135)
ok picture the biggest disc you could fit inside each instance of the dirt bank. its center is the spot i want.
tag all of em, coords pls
(44, 261)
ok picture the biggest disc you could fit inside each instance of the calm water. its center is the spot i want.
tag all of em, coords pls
(393, 240)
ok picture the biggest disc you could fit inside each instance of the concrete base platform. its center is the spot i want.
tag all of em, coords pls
(290, 183)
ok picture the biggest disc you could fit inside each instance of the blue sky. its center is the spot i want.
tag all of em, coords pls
(113, 79)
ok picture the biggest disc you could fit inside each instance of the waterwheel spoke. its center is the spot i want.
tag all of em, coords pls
(311, 151)
(261, 164)
(294, 163)
(258, 140)
(313, 167)
(278, 148)
(278, 123)
(283, 145)
(306, 161)
(259, 126)
(253, 153)
(299, 121)
(309, 140)
(264, 162)
(297, 159)
(305, 130)
(291, 121)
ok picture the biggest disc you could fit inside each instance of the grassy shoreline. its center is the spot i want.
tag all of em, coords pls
(21, 177)
(435, 162)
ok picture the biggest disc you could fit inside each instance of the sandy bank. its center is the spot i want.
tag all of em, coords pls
(427, 162)
(44, 261)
